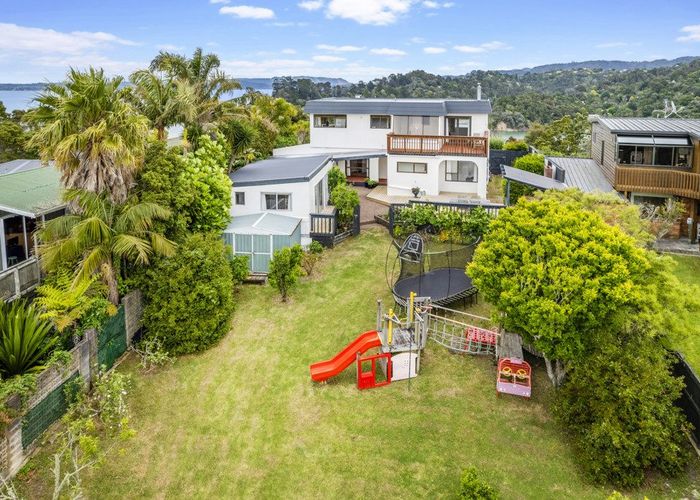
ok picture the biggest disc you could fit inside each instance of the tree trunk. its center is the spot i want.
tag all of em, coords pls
(111, 281)
(555, 371)
(161, 133)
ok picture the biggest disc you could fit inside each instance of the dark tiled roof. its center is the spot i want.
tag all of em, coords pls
(662, 126)
(398, 107)
(582, 173)
(279, 171)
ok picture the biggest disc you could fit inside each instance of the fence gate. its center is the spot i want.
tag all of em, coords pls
(111, 340)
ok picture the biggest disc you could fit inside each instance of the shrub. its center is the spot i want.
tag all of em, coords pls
(285, 269)
(458, 226)
(205, 177)
(25, 339)
(496, 143)
(532, 163)
(239, 268)
(189, 297)
(371, 183)
(619, 405)
(515, 145)
(344, 199)
(336, 177)
(315, 247)
(472, 487)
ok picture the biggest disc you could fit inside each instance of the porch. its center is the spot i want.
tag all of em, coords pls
(457, 145)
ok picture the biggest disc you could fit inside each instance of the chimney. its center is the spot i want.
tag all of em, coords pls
(478, 91)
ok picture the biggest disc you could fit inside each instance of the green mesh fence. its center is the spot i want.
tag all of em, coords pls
(46, 412)
(111, 340)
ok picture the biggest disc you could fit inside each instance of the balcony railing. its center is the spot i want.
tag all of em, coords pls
(658, 180)
(20, 279)
(454, 145)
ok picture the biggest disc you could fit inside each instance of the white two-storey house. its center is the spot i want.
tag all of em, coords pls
(436, 145)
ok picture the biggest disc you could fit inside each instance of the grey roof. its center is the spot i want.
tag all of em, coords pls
(398, 107)
(529, 179)
(14, 166)
(582, 173)
(263, 223)
(662, 126)
(279, 170)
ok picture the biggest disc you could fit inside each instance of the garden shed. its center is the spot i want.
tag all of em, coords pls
(257, 236)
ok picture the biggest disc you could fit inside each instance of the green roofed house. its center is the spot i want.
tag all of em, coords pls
(30, 193)
(258, 235)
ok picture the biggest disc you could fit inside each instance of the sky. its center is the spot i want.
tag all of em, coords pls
(351, 39)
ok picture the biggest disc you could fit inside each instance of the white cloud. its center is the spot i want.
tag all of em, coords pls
(378, 12)
(311, 4)
(430, 4)
(434, 50)
(339, 48)
(288, 51)
(27, 39)
(268, 67)
(327, 59)
(484, 47)
(82, 61)
(248, 12)
(169, 47)
(692, 33)
(417, 40)
(388, 52)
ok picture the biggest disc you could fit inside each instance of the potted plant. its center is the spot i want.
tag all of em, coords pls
(416, 191)
(371, 183)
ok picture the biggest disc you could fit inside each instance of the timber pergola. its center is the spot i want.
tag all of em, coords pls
(529, 179)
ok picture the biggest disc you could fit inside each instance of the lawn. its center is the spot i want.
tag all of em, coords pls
(244, 419)
(688, 270)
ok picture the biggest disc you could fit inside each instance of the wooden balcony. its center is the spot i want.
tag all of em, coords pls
(451, 145)
(658, 180)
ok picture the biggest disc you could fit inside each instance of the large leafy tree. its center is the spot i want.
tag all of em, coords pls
(568, 136)
(101, 235)
(203, 72)
(164, 100)
(92, 132)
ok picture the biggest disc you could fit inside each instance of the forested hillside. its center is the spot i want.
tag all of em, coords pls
(534, 97)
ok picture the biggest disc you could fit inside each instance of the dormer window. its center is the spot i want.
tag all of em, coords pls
(330, 121)
(380, 121)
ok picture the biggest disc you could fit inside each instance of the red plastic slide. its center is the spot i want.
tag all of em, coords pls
(324, 370)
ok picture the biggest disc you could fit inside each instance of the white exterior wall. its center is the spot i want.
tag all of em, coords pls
(356, 135)
(433, 182)
(301, 200)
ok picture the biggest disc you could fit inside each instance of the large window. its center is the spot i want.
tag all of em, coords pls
(330, 121)
(459, 125)
(357, 168)
(380, 121)
(407, 167)
(460, 171)
(277, 201)
(416, 125)
(656, 151)
(240, 198)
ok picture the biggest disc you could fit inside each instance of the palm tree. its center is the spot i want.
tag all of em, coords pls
(165, 101)
(101, 234)
(203, 73)
(94, 135)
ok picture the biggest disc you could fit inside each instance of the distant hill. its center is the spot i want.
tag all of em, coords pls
(603, 65)
(256, 83)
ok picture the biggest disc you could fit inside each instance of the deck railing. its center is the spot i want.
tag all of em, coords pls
(456, 145)
(658, 180)
(20, 279)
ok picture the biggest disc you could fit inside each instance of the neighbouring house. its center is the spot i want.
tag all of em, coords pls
(30, 193)
(650, 160)
(296, 187)
(257, 236)
(582, 173)
(439, 146)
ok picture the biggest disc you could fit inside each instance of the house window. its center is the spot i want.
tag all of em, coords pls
(407, 167)
(460, 171)
(380, 121)
(649, 199)
(654, 150)
(240, 198)
(416, 125)
(319, 198)
(459, 125)
(330, 121)
(276, 201)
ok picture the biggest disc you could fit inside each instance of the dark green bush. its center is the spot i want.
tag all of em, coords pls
(532, 163)
(315, 247)
(239, 268)
(336, 177)
(496, 143)
(453, 225)
(619, 405)
(189, 297)
(344, 199)
(515, 145)
(285, 269)
(472, 487)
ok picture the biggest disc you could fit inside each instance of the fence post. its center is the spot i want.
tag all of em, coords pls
(15, 451)
(91, 341)
(391, 219)
(356, 221)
